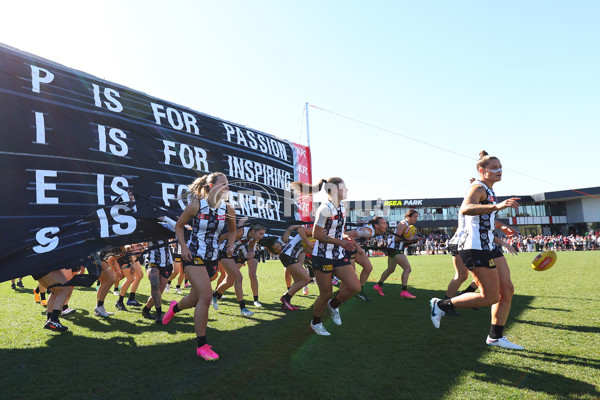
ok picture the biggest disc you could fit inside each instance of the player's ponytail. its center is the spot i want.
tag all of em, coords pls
(304, 189)
(200, 187)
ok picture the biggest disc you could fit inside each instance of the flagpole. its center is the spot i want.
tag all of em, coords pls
(307, 130)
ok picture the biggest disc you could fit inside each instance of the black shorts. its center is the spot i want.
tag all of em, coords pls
(453, 249)
(177, 257)
(140, 259)
(327, 265)
(211, 266)
(165, 271)
(288, 260)
(394, 252)
(39, 276)
(477, 258)
(350, 254)
(497, 252)
(237, 258)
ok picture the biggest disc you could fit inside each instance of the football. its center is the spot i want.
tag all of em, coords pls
(410, 232)
(544, 261)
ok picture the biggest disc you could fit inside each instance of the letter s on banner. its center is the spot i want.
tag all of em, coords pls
(46, 243)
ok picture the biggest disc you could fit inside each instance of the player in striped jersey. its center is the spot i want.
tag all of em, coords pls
(247, 235)
(292, 257)
(396, 254)
(376, 226)
(159, 266)
(476, 249)
(328, 253)
(461, 273)
(209, 213)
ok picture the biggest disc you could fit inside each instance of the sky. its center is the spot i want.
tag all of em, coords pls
(403, 95)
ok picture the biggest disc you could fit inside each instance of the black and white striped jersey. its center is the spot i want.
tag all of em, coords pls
(479, 229)
(207, 224)
(334, 227)
(294, 248)
(392, 243)
(239, 243)
(161, 255)
(460, 230)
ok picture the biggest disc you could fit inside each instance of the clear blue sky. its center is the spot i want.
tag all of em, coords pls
(517, 78)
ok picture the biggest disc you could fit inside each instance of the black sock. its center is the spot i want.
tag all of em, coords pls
(334, 303)
(176, 308)
(121, 298)
(116, 288)
(169, 283)
(48, 315)
(380, 283)
(146, 309)
(287, 297)
(289, 287)
(446, 297)
(362, 288)
(469, 289)
(37, 290)
(158, 310)
(65, 307)
(178, 286)
(219, 296)
(316, 320)
(132, 296)
(201, 341)
(54, 315)
(242, 304)
(186, 281)
(404, 288)
(255, 298)
(100, 303)
(445, 304)
(496, 331)
(43, 295)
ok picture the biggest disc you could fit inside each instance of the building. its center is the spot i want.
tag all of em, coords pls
(574, 211)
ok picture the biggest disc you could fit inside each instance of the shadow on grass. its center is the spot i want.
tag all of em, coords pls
(534, 380)
(386, 347)
(575, 328)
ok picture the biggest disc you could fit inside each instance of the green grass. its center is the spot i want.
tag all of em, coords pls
(385, 349)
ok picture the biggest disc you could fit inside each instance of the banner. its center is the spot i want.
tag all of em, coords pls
(73, 145)
(305, 205)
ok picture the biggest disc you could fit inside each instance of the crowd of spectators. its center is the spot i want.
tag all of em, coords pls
(437, 243)
(571, 242)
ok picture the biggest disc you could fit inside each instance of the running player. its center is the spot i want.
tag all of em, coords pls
(376, 226)
(328, 252)
(292, 257)
(396, 254)
(461, 272)
(209, 213)
(487, 264)
(232, 263)
(159, 267)
(57, 298)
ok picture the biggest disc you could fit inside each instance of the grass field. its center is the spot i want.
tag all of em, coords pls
(386, 349)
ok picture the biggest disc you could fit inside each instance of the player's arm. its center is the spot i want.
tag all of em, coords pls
(504, 244)
(477, 194)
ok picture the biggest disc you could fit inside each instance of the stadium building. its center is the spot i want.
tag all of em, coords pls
(563, 212)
